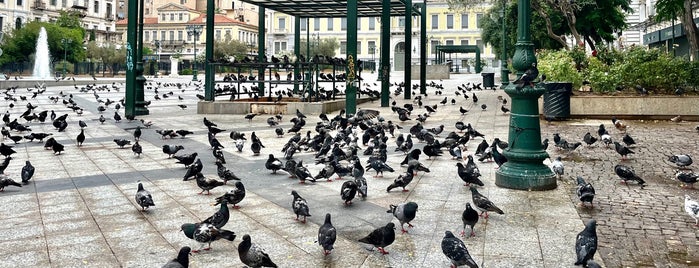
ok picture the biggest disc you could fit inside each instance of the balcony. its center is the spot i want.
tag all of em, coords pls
(39, 5)
(171, 43)
(282, 31)
(109, 17)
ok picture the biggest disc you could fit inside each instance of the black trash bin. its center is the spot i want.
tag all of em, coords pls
(488, 80)
(557, 100)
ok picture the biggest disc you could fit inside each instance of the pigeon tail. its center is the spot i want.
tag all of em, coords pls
(228, 235)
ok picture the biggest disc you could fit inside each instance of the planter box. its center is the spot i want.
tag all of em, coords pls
(633, 107)
(260, 107)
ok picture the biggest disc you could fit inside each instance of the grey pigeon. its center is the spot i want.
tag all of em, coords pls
(692, 208)
(348, 192)
(234, 196)
(469, 217)
(381, 237)
(143, 197)
(187, 159)
(586, 243)
(402, 181)
(252, 255)
(5, 181)
(687, 178)
(404, 212)
(483, 204)
(122, 142)
(206, 184)
(557, 167)
(220, 217)
(224, 173)
(628, 140)
(469, 173)
(362, 187)
(182, 260)
(681, 160)
(627, 174)
(27, 172)
(205, 233)
(327, 234)
(300, 206)
(585, 192)
(273, 164)
(456, 251)
(137, 149)
(379, 166)
(622, 150)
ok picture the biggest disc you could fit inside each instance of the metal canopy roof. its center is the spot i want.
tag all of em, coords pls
(457, 48)
(328, 8)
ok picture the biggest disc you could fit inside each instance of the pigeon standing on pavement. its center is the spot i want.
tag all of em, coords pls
(252, 255)
(586, 243)
(206, 184)
(205, 233)
(692, 208)
(483, 203)
(327, 234)
(469, 217)
(627, 174)
(5, 181)
(143, 197)
(300, 206)
(182, 260)
(681, 160)
(585, 192)
(234, 196)
(469, 173)
(137, 149)
(622, 150)
(220, 217)
(348, 191)
(27, 172)
(557, 167)
(456, 251)
(381, 237)
(688, 179)
(589, 139)
(404, 212)
(402, 181)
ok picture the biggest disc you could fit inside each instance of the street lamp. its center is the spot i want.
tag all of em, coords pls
(372, 50)
(504, 72)
(65, 41)
(157, 59)
(195, 31)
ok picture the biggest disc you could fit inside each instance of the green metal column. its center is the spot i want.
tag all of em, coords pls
(130, 98)
(140, 105)
(261, 48)
(297, 51)
(309, 72)
(423, 48)
(351, 87)
(524, 169)
(209, 53)
(384, 55)
(504, 72)
(408, 47)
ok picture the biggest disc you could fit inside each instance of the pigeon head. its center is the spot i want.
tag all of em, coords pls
(294, 193)
(468, 205)
(448, 234)
(591, 226)
(390, 225)
(140, 185)
(188, 229)
(327, 218)
(183, 256)
(239, 185)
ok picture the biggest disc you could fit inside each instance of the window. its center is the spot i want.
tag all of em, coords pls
(109, 9)
(281, 24)
(316, 24)
(65, 3)
(283, 46)
(343, 47)
(464, 21)
(172, 16)
(464, 42)
(228, 35)
(97, 6)
(401, 22)
(450, 42)
(343, 27)
(372, 24)
(359, 25)
(146, 35)
(479, 16)
(172, 35)
(162, 35)
(155, 35)
(330, 24)
(450, 21)
(218, 35)
(162, 17)
(182, 2)
(181, 16)
(180, 34)
(479, 44)
(371, 45)
(18, 23)
(435, 21)
(277, 47)
(359, 47)
(304, 23)
(433, 46)
(2, 19)
(53, 2)
(19, 3)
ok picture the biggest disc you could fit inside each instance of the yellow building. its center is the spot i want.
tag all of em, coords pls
(444, 26)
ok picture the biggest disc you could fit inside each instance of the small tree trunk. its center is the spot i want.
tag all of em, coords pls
(549, 29)
(691, 29)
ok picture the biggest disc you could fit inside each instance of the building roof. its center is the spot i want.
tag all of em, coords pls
(218, 19)
(328, 8)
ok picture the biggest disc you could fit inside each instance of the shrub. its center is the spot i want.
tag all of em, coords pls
(186, 72)
(558, 66)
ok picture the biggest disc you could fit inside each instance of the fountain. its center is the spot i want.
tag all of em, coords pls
(42, 60)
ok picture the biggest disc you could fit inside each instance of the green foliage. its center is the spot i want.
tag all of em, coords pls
(667, 10)
(326, 47)
(108, 53)
(601, 77)
(559, 66)
(20, 44)
(579, 57)
(186, 72)
(225, 51)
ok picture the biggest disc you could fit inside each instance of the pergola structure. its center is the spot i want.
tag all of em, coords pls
(448, 49)
(352, 9)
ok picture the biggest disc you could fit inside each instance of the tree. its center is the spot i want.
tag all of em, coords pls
(602, 20)
(107, 53)
(225, 51)
(20, 44)
(325, 47)
(667, 10)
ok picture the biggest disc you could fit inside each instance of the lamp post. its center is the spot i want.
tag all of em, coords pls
(372, 50)
(65, 41)
(504, 72)
(194, 31)
(157, 59)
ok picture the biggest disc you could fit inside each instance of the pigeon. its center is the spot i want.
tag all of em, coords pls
(5, 163)
(300, 206)
(348, 191)
(586, 243)
(402, 181)
(137, 149)
(628, 140)
(692, 208)
(273, 164)
(183, 132)
(619, 125)
(137, 133)
(117, 117)
(5, 181)
(483, 204)
(681, 160)
(469, 217)
(404, 212)
(82, 124)
(481, 148)
(381, 237)
(102, 119)
(504, 109)
(27, 172)
(206, 184)
(182, 260)
(234, 196)
(362, 186)
(57, 147)
(379, 166)
(589, 139)
(171, 150)
(327, 234)
(224, 173)
(205, 233)
(527, 78)
(220, 217)
(218, 154)
(252, 255)
(622, 150)
(557, 167)
(122, 142)
(279, 131)
(627, 174)
(143, 198)
(469, 173)
(687, 178)
(80, 138)
(606, 139)
(585, 192)
(187, 159)
(456, 251)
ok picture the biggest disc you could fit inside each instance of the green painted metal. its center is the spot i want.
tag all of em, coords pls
(524, 169)
(384, 56)
(261, 48)
(130, 97)
(423, 49)
(443, 49)
(308, 58)
(408, 48)
(504, 72)
(209, 53)
(297, 50)
(140, 79)
(352, 68)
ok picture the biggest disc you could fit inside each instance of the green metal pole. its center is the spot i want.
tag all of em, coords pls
(524, 169)
(261, 49)
(504, 72)
(408, 48)
(384, 55)
(352, 81)
(308, 72)
(130, 97)
(140, 104)
(195, 71)
(423, 48)
(209, 74)
(297, 52)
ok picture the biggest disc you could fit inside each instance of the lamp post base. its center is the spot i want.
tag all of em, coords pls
(525, 176)
(194, 75)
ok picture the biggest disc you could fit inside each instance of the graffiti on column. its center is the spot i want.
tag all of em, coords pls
(129, 57)
(350, 69)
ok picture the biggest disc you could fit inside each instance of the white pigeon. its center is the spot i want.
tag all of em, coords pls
(692, 208)
(557, 167)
